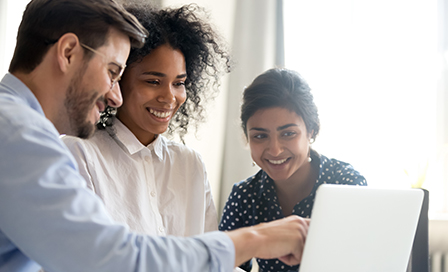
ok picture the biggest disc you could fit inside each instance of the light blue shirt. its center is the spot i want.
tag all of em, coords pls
(49, 219)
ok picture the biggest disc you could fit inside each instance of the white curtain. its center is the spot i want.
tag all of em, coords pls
(257, 46)
(439, 190)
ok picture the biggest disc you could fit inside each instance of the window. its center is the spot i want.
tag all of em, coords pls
(375, 69)
(10, 17)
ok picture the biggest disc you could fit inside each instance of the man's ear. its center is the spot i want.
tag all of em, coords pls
(68, 50)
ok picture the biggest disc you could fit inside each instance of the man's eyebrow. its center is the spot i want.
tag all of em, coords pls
(287, 126)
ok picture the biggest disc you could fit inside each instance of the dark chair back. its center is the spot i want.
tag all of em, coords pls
(419, 259)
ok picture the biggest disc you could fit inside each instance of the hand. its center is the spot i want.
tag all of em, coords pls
(283, 239)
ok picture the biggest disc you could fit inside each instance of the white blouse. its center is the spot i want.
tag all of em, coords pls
(159, 189)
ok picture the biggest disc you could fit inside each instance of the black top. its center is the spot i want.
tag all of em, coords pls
(254, 201)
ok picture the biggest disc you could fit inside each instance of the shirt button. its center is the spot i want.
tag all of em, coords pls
(161, 229)
(153, 194)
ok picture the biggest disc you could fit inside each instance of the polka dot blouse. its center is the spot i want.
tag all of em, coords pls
(254, 201)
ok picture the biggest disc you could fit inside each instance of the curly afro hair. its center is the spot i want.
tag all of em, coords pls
(206, 57)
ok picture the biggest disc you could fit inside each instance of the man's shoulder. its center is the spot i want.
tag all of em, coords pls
(18, 117)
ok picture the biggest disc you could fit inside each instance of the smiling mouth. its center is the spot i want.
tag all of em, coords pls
(277, 161)
(160, 114)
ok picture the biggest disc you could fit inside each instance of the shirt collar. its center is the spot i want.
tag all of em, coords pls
(158, 145)
(133, 145)
(13, 85)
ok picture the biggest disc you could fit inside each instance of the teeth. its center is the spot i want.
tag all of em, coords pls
(160, 114)
(277, 162)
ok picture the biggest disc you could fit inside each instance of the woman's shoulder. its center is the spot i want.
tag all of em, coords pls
(337, 171)
(334, 164)
(99, 137)
(251, 183)
(98, 143)
(179, 151)
(73, 142)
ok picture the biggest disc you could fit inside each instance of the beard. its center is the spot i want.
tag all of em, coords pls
(79, 103)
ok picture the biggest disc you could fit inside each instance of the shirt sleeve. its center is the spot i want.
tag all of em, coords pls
(211, 216)
(48, 215)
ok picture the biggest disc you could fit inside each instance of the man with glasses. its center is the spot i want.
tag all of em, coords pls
(68, 58)
(115, 70)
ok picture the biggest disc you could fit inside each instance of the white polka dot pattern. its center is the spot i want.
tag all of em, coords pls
(254, 201)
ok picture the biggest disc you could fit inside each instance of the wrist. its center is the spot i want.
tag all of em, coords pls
(247, 242)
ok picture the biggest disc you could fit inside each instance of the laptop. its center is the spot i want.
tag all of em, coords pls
(361, 229)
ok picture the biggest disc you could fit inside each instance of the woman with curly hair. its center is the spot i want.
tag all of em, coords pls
(152, 184)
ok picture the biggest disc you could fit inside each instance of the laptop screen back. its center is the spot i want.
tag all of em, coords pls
(361, 229)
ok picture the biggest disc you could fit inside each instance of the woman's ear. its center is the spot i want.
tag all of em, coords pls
(68, 50)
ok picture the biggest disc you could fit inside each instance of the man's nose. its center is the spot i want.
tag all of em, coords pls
(113, 97)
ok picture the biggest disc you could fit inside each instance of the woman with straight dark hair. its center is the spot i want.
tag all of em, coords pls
(280, 121)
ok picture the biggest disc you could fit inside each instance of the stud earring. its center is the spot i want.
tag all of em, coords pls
(254, 164)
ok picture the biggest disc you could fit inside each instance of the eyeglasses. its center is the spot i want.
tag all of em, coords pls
(114, 73)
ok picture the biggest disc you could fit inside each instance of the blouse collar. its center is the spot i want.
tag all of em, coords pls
(130, 143)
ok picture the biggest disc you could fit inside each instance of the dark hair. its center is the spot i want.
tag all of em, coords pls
(281, 88)
(45, 21)
(206, 58)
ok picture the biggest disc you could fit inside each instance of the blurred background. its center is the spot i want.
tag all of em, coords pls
(377, 69)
